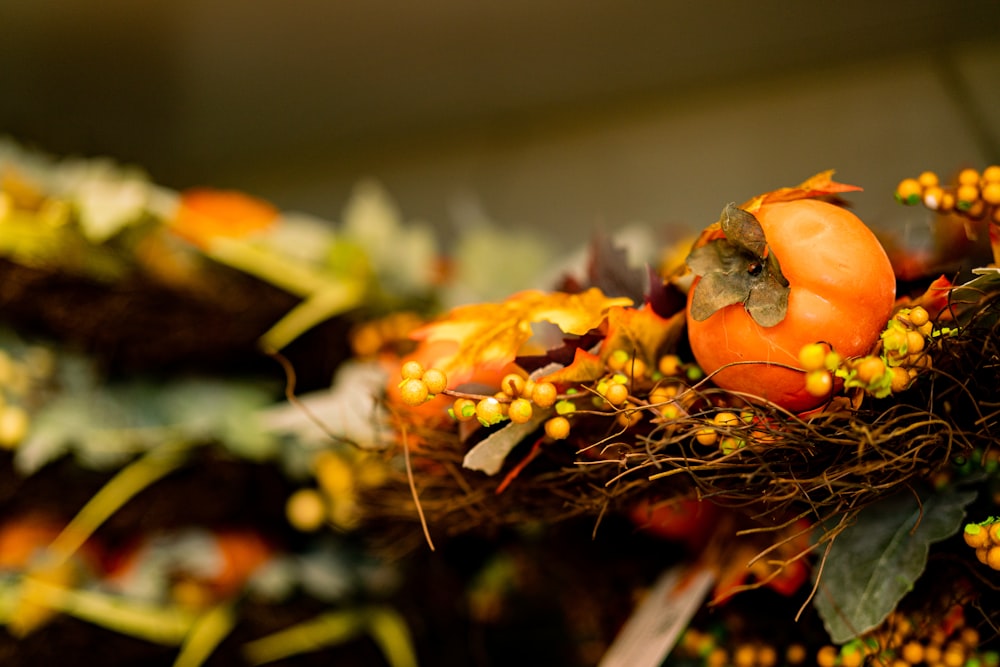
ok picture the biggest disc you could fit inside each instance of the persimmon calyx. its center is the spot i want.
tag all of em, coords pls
(739, 268)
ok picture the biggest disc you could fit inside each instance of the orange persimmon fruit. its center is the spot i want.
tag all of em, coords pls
(832, 282)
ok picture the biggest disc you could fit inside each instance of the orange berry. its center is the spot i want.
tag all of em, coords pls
(489, 411)
(745, 655)
(512, 384)
(617, 360)
(812, 356)
(628, 418)
(918, 316)
(616, 394)
(968, 177)
(976, 536)
(706, 436)
(900, 379)
(411, 370)
(914, 342)
(413, 392)
(933, 197)
(544, 394)
(908, 191)
(994, 532)
(663, 394)
(928, 179)
(795, 654)
(967, 195)
(464, 409)
(827, 656)
(991, 193)
(435, 379)
(869, 369)
(520, 410)
(851, 656)
(913, 652)
(947, 202)
(306, 510)
(991, 174)
(669, 365)
(635, 367)
(726, 419)
(557, 428)
(819, 382)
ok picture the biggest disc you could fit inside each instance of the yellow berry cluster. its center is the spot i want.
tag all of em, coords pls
(418, 385)
(705, 646)
(905, 641)
(984, 537)
(725, 429)
(900, 358)
(340, 476)
(976, 195)
(517, 399)
(628, 388)
(901, 640)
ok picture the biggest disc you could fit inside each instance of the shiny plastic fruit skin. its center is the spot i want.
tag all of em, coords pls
(843, 289)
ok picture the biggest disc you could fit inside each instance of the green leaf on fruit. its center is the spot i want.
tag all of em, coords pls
(874, 562)
(739, 269)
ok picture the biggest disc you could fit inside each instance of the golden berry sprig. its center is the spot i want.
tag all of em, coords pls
(974, 196)
(984, 537)
(889, 370)
(419, 385)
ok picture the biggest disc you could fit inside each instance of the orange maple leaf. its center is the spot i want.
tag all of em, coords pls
(488, 334)
(816, 186)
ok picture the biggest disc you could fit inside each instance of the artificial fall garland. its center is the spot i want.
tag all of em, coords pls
(832, 443)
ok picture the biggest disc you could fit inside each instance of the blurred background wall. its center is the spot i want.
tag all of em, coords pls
(557, 117)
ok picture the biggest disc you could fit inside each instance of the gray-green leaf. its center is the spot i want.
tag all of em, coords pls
(873, 563)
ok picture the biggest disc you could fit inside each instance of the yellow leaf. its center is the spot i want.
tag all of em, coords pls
(640, 332)
(586, 367)
(492, 334)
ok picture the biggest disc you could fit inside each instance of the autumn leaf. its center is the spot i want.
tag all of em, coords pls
(640, 332)
(586, 367)
(492, 334)
(817, 186)
(820, 185)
